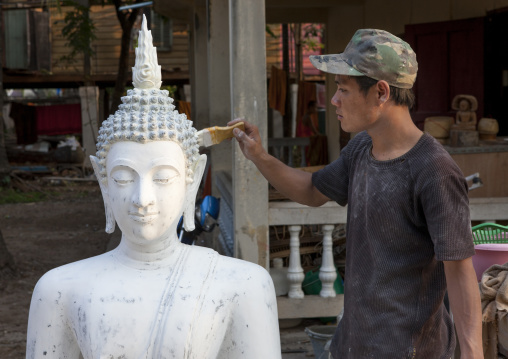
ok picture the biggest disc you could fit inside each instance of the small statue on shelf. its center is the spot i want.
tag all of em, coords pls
(466, 105)
(463, 133)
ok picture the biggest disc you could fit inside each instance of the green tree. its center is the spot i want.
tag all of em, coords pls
(127, 20)
(79, 30)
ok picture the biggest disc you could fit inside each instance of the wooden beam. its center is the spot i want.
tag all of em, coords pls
(311, 306)
(289, 4)
(292, 213)
(175, 9)
(293, 15)
(68, 80)
(489, 209)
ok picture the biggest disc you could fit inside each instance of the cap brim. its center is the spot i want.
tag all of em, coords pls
(333, 64)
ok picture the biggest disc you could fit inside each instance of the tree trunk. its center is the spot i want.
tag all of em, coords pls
(7, 265)
(127, 21)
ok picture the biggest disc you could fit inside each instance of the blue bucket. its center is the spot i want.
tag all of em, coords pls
(319, 336)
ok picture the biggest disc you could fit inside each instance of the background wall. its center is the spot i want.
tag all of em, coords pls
(390, 15)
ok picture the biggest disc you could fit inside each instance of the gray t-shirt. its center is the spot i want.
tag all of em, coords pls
(405, 216)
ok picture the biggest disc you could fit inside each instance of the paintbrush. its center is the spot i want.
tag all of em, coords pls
(214, 135)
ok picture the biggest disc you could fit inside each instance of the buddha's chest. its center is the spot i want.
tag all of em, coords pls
(142, 320)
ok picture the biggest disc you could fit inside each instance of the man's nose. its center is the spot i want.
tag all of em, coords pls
(144, 195)
(335, 99)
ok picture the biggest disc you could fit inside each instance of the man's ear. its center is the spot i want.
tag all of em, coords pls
(383, 91)
(191, 192)
(110, 218)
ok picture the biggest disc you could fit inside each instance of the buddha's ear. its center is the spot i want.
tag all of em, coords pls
(110, 218)
(192, 191)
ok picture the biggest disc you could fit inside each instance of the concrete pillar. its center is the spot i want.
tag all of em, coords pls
(343, 21)
(199, 65)
(219, 85)
(89, 120)
(249, 95)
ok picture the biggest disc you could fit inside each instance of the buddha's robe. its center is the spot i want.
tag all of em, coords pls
(197, 305)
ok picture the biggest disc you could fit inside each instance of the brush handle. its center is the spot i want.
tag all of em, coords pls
(220, 134)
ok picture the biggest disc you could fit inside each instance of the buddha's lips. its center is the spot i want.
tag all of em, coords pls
(143, 218)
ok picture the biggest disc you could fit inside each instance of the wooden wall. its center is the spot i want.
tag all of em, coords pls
(274, 55)
(273, 48)
(107, 45)
(493, 169)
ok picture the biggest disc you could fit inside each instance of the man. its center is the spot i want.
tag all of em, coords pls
(408, 233)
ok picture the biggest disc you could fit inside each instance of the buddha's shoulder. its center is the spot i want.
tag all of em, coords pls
(233, 268)
(75, 271)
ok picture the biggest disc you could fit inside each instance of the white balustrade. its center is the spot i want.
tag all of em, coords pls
(295, 270)
(327, 272)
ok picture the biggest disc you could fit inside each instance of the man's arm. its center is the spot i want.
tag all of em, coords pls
(465, 305)
(293, 183)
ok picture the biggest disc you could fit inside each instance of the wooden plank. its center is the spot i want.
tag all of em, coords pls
(489, 209)
(493, 169)
(107, 44)
(292, 213)
(100, 65)
(73, 78)
(174, 61)
(311, 306)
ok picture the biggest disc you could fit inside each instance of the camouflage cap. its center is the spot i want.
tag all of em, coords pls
(376, 54)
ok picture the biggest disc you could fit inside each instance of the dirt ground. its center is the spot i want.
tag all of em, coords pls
(63, 229)
(41, 236)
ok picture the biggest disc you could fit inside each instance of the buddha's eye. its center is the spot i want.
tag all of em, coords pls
(165, 175)
(122, 175)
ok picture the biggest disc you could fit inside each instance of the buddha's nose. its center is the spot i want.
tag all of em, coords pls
(144, 195)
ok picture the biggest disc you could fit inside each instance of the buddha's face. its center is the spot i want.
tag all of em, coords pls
(146, 188)
(464, 105)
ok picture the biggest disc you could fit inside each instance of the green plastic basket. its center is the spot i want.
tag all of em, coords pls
(490, 233)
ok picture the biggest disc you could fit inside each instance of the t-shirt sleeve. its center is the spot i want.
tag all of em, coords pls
(333, 180)
(446, 207)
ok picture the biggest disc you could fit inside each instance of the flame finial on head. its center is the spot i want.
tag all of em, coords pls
(147, 113)
(146, 73)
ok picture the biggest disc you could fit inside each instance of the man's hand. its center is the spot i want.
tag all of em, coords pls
(249, 141)
(295, 184)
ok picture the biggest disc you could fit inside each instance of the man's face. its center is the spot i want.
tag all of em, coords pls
(146, 188)
(355, 111)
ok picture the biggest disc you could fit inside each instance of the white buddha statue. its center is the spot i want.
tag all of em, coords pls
(152, 296)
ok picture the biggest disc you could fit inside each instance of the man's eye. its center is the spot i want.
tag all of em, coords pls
(342, 90)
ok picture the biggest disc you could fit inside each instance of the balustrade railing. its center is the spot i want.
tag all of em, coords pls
(327, 271)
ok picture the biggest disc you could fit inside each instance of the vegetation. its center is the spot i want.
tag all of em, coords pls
(79, 30)
(11, 195)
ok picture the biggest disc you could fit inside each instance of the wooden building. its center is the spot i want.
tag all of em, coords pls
(35, 48)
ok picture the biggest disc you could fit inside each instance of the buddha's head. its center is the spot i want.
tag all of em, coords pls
(464, 105)
(148, 163)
